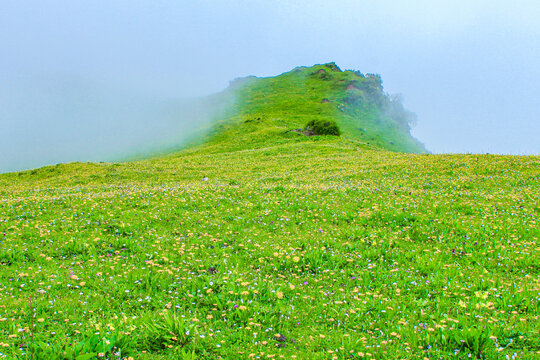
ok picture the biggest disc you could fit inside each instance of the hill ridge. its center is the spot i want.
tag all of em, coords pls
(270, 109)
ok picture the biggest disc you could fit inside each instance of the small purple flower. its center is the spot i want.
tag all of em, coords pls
(235, 306)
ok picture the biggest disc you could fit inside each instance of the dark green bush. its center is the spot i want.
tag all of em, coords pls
(322, 127)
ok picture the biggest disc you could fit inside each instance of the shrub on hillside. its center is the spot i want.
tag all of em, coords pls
(322, 127)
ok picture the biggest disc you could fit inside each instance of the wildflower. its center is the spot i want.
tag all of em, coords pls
(279, 294)
(296, 259)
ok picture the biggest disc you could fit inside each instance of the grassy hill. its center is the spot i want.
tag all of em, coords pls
(264, 243)
(265, 110)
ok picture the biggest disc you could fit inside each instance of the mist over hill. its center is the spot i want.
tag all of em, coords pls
(65, 120)
(48, 121)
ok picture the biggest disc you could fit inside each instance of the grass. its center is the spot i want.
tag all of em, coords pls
(293, 247)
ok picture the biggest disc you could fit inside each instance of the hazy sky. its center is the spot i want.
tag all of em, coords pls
(469, 69)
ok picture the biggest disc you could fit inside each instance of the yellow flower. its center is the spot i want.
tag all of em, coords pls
(242, 307)
(279, 295)
(40, 320)
(291, 286)
(296, 259)
(481, 295)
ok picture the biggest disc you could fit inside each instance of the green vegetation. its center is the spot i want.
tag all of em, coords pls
(322, 127)
(265, 243)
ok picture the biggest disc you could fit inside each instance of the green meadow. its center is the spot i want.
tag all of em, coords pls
(259, 242)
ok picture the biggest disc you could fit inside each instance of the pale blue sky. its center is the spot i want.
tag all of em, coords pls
(469, 69)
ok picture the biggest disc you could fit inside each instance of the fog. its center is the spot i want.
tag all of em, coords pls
(52, 120)
(102, 80)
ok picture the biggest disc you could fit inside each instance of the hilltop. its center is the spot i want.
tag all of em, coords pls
(271, 110)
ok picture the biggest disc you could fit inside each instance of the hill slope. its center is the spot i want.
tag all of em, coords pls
(260, 244)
